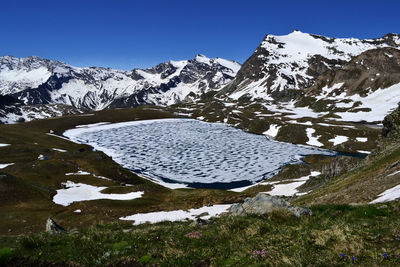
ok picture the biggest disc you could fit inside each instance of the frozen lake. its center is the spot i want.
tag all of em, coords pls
(186, 152)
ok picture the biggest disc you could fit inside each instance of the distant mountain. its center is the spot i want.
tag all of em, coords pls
(34, 80)
(283, 64)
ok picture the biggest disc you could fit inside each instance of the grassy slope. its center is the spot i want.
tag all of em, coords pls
(363, 232)
(362, 184)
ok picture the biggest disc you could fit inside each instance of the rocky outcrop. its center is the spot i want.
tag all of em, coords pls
(391, 124)
(263, 203)
(365, 73)
(339, 165)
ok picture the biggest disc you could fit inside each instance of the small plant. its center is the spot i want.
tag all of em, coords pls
(146, 259)
(6, 255)
(196, 234)
(120, 246)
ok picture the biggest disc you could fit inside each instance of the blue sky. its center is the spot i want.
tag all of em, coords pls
(128, 34)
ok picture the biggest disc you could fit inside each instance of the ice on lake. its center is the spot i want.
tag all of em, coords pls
(192, 152)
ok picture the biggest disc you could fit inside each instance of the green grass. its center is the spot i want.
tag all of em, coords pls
(363, 232)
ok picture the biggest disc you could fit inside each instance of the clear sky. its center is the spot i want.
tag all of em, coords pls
(127, 34)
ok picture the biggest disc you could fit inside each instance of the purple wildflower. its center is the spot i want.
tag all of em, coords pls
(260, 253)
(196, 234)
(353, 258)
(385, 256)
(343, 255)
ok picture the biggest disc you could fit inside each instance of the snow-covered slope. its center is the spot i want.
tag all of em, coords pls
(18, 74)
(35, 80)
(293, 62)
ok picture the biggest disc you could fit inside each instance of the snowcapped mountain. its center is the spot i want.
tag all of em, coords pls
(35, 81)
(281, 64)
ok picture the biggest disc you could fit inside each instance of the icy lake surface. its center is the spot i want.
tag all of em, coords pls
(191, 152)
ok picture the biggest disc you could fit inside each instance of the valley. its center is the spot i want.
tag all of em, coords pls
(310, 119)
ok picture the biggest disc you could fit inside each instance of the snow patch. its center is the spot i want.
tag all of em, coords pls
(338, 139)
(2, 166)
(313, 141)
(273, 130)
(364, 152)
(388, 195)
(76, 192)
(177, 215)
(362, 139)
(289, 189)
(59, 150)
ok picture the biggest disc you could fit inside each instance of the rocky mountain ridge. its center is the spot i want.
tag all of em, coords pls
(294, 61)
(37, 81)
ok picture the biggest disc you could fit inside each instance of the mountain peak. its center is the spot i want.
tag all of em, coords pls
(296, 31)
(202, 59)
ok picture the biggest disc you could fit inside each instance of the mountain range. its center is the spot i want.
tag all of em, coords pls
(37, 82)
(298, 70)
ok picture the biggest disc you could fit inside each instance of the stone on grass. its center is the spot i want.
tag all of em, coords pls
(263, 203)
(53, 228)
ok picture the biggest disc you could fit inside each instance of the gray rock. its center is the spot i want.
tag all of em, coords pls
(53, 228)
(298, 211)
(201, 222)
(263, 203)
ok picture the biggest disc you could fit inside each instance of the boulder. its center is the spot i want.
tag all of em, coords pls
(263, 203)
(53, 228)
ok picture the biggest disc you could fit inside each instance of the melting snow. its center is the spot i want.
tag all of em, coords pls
(362, 139)
(2, 166)
(289, 189)
(177, 215)
(273, 130)
(338, 139)
(76, 192)
(3, 145)
(381, 102)
(59, 150)
(394, 173)
(313, 141)
(364, 152)
(388, 195)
